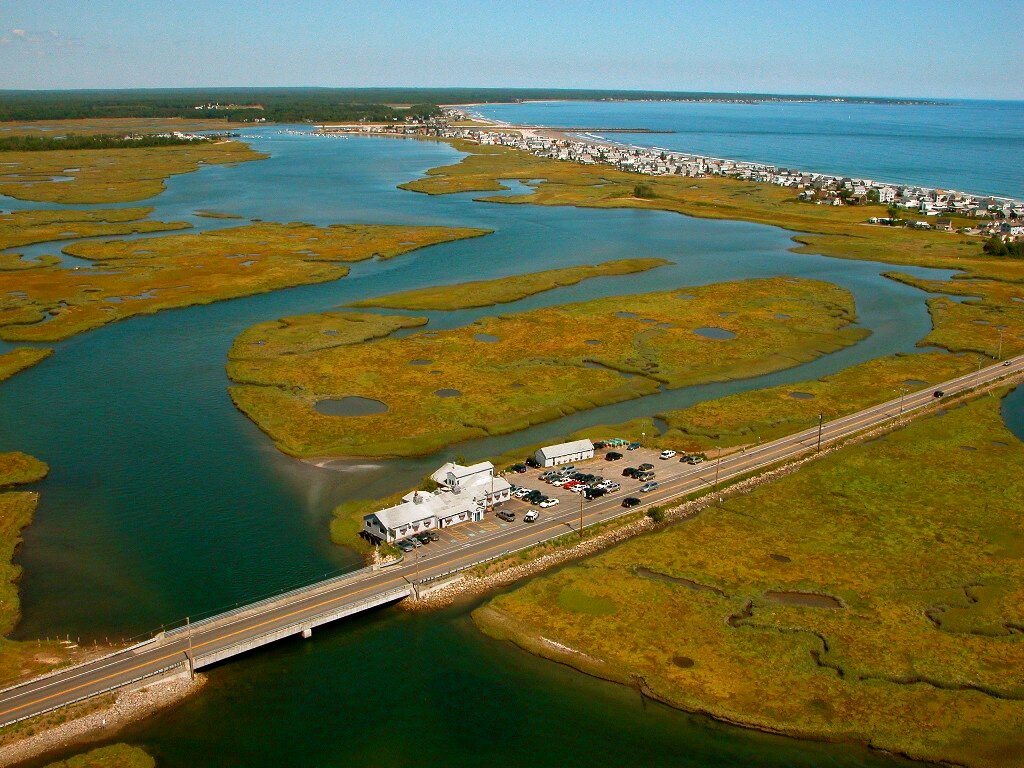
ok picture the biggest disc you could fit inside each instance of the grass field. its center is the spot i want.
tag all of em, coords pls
(109, 175)
(112, 756)
(874, 596)
(486, 293)
(18, 468)
(120, 126)
(989, 321)
(502, 374)
(20, 358)
(18, 228)
(762, 415)
(18, 659)
(143, 276)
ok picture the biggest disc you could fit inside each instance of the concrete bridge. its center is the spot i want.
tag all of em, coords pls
(298, 612)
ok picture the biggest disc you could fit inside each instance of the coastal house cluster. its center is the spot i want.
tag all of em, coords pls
(463, 494)
(995, 215)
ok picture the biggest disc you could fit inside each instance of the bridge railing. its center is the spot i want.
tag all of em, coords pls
(314, 620)
(271, 599)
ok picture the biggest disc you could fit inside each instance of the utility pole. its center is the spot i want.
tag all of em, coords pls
(903, 392)
(821, 417)
(718, 467)
(1000, 343)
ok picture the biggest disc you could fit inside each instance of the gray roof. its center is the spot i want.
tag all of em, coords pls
(564, 449)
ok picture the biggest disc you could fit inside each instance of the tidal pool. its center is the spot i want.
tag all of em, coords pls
(713, 332)
(350, 406)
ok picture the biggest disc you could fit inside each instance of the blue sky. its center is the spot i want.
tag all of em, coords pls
(949, 49)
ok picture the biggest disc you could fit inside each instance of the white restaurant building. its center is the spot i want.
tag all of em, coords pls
(463, 495)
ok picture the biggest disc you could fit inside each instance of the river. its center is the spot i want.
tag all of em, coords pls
(164, 501)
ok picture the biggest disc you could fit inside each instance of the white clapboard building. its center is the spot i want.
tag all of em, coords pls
(564, 453)
(463, 495)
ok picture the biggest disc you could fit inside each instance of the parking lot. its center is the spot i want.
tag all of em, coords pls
(609, 470)
(568, 501)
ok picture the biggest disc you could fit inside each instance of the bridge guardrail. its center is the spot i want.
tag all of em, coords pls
(162, 671)
(242, 609)
(377, 599)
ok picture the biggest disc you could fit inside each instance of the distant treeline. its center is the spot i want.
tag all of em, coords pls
(281, 105)
(98, 141)
(328, 104)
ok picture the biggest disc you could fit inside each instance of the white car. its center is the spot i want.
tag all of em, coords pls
(668, 454)
(521, 493)
(546, 503)
(531, 516)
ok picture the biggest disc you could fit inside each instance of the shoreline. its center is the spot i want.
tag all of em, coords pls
(584, 137)
(129, 705)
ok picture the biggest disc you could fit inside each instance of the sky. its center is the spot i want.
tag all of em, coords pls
(966, 49)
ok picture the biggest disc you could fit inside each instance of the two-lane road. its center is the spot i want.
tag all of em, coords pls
(304, 607)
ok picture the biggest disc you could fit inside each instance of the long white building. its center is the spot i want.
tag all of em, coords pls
(463, 495)
(563, 453)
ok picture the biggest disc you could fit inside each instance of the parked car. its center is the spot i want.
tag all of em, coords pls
(507, 515)
(415, 542)
(630, 472)
(520, 468)
(567, 470)
(422, 538)
(434, 536)
(547, 503)
(405, 545)
(600, 445)
(611, 485)
(520, 492)
(667, 454)
(630, 501)
(612, 456)
(693, 458)
(643, 477)
(646, 467)
(593, 493)
(648, 487)
(632, 446)
(531, 516)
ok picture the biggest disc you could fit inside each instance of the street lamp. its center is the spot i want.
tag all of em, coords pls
(821, 417)
(903, 392)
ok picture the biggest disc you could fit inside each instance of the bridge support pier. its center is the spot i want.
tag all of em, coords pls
(307, 632)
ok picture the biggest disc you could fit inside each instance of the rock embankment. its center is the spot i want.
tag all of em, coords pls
(128, 706)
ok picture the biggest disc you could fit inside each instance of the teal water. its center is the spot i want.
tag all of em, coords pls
(164, 501)
(1013, 412)
(972, 146)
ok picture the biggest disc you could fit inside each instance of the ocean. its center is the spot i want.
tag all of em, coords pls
(971, 146)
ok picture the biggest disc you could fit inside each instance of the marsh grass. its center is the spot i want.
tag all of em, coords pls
(147, 275)
(20, 358)
(486, 293)
(110, 756)
(540, 367)
(992, 309)
(923, 547)
(110, 175)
